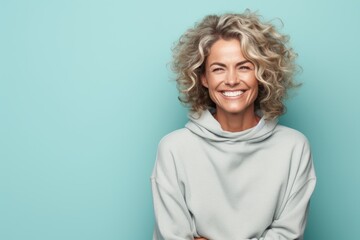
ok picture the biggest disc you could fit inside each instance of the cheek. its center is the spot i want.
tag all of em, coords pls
(256, 86)
(213, 93)
(214, 82)
(256, 90)
(209, 84)
(253, 82)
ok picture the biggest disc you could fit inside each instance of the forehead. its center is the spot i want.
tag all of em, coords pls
(225, 51)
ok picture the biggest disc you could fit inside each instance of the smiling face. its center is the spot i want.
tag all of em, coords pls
(230, 79)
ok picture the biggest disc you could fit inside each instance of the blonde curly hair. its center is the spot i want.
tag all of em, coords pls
(261, 44)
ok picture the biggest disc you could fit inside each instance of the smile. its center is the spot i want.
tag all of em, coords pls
(232, 93)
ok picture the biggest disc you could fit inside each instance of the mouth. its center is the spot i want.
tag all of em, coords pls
(232, 93)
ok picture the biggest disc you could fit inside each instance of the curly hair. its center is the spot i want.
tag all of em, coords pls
(260, 43)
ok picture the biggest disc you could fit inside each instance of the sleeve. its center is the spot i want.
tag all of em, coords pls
(291, 221)
(172, 217)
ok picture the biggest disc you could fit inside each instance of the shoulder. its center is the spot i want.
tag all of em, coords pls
(297, 145)
(291, 139)
(170, 151)
(290, 135)
(175, 139)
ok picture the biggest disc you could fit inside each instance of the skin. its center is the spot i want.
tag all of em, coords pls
(226, 70)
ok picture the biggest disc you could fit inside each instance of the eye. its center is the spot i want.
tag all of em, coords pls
(244, 67)
(217, 69)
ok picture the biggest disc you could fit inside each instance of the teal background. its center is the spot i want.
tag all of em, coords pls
(86, 94)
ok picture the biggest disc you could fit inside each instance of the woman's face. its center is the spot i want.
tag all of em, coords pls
(230, 79)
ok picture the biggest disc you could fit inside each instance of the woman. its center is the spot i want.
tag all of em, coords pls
(233, 172)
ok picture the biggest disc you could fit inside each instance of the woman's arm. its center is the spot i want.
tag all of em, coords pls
(173, 219)
(290, 221)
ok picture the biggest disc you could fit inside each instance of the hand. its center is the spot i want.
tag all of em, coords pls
(200, 238)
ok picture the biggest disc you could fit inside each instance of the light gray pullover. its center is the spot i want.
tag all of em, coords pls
(255, 184)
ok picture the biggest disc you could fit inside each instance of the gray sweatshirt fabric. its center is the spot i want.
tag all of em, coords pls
(255, 184)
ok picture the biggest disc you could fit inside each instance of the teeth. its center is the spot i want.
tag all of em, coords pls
(232, 94)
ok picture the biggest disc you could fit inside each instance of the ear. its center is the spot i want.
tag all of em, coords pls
(204, 81)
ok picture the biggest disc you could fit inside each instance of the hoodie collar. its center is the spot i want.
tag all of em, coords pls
(206, 126)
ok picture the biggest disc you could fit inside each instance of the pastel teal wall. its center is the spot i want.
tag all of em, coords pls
(86, 94)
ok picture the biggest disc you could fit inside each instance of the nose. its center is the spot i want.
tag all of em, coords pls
(232, 79)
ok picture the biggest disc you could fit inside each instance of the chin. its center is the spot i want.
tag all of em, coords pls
(235, 110)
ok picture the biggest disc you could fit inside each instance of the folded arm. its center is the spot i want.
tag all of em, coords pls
(290, 222)
(172, 217)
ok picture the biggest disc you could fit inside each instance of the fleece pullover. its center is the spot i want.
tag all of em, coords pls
(254, 184)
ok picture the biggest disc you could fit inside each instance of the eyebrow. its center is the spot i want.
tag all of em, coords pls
(223, 65)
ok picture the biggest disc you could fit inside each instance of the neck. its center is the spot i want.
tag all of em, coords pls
(236, 122)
